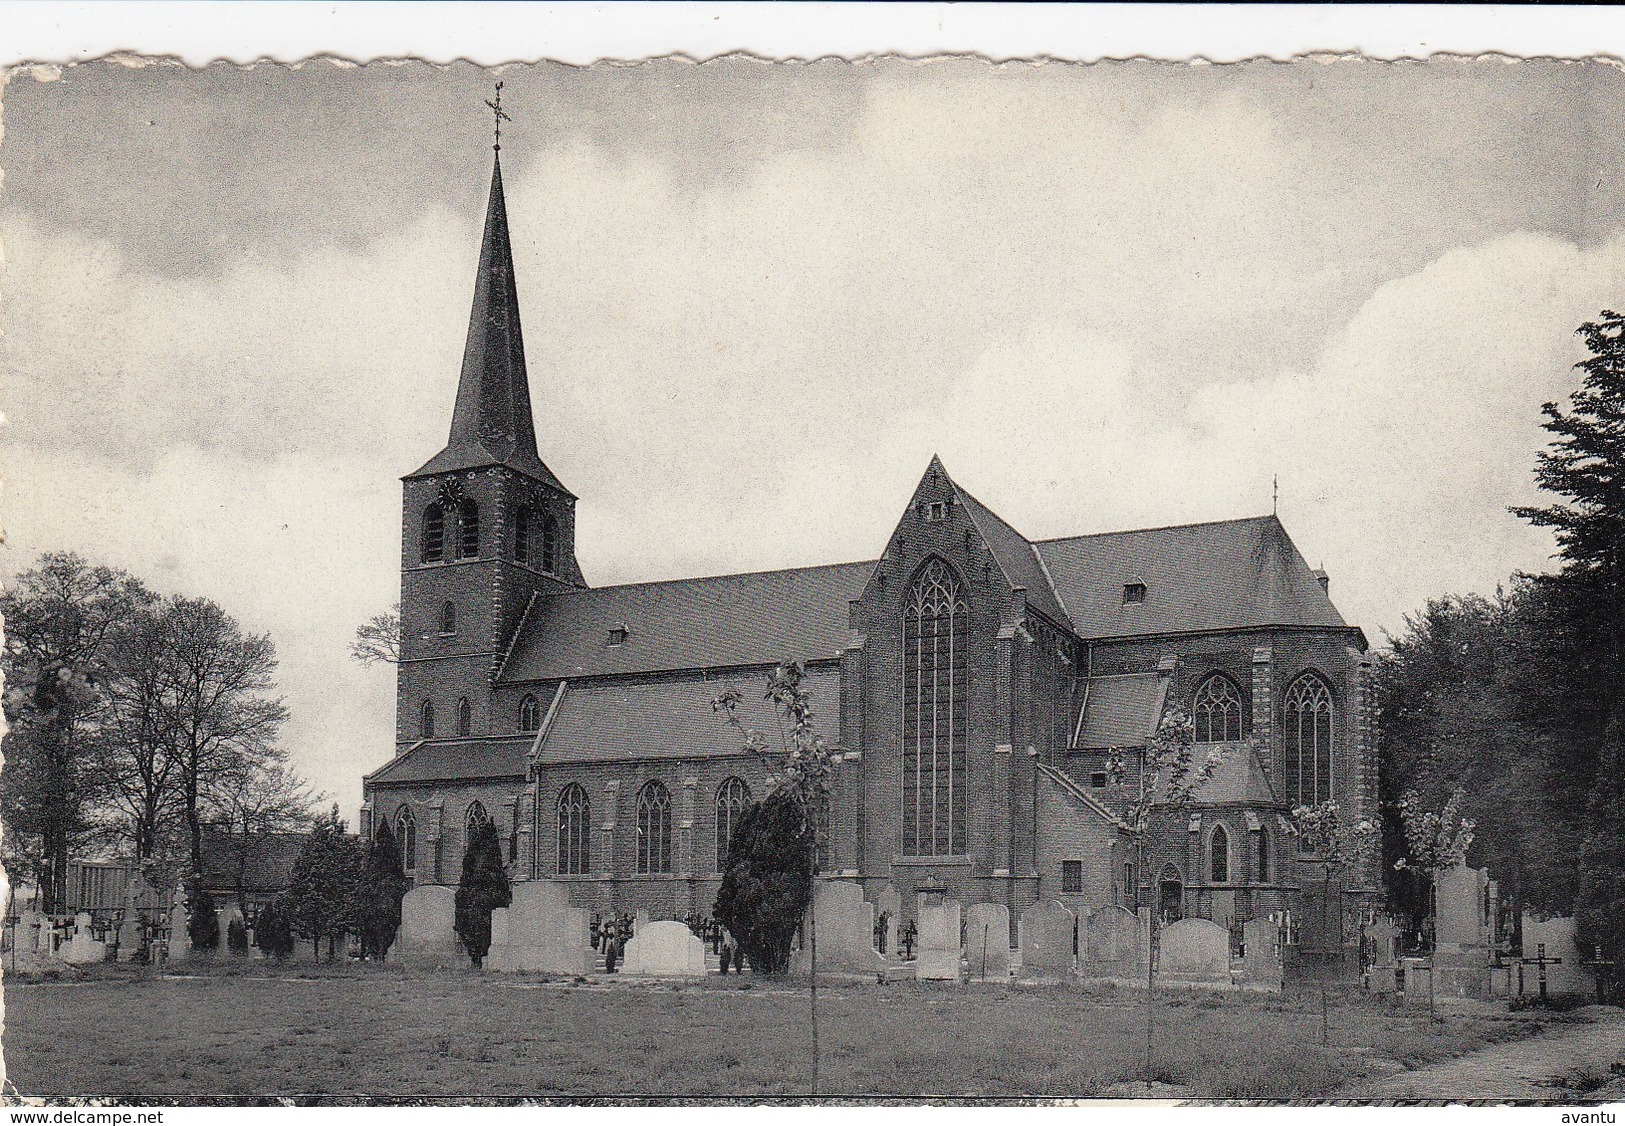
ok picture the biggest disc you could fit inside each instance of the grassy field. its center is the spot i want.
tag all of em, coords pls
(383, 1031)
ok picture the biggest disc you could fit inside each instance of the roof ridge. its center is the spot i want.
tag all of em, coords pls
(713, 578)
(1160, 528)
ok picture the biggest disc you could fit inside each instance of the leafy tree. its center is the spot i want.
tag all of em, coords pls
(322, 887)
(1335, 850)
(202, 924)
(768, 885)
(378, 639)
(379, 891)
(273, 930)
(1600, 911)
(252, 800)
(481, 888)
(64, 621)
(1436, 842)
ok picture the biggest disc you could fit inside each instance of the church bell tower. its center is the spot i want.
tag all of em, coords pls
(486, 527)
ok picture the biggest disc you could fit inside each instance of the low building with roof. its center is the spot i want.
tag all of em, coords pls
(976, 682)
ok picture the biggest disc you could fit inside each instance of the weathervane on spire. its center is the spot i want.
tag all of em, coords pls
(500, 117)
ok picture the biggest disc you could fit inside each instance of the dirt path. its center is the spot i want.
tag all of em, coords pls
(1521, 1070)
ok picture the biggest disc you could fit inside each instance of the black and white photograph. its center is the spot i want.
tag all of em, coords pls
(827, 580)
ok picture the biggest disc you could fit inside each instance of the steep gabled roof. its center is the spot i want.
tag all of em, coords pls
(609, 721)
(1121, 710)
(1080, 795)
(1015, 555)
(720, 622)
(1198, 577)
(492, 424)
(455, 759)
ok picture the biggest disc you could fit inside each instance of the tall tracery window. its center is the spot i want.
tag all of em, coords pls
(935, 639)
(1216, 710)
(473, 819)
(432, 544)
(426, 720)
(524, 528)
(1306, 714)
(406, 835)
(732, 798)
(550, 544)
(468, 530)
(530, 714)
(465, 717)
(575, 814)
(654, 829)
(1263, 856)
(1219, 856)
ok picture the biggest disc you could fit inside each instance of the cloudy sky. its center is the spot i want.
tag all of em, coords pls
(757, 298)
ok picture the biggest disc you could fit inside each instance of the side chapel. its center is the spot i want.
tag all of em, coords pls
(973, 679)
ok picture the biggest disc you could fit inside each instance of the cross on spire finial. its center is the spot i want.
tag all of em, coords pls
(499, 116)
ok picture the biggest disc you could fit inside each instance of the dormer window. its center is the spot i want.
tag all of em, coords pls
(617, 636)
(935, 512)
(1133, 592)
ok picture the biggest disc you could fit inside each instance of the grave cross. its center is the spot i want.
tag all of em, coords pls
(1602, 966)
(1542, 961)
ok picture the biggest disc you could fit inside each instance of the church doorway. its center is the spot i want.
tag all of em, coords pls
(1171, 901)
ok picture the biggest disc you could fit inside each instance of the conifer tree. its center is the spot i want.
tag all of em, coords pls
(481, 889)
(202, 924)
(768, 884)
(273, 932)
(323, 883)
(379, 891)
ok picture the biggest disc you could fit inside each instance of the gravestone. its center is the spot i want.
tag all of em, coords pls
(890, 904)
(1112, 945)
(846, 932)
(1044, 933)
(179, 941)
(428, 935)
(1462, 952)
(1381, 975)
(936, 949)
(131, 935)
(1417, 976)
(539, 932)
(27, 937)
(1261, 967)
(1564, 978)
(1194, 952)
(84, 949)
(639, 921)
(664, 949)
(987, 941)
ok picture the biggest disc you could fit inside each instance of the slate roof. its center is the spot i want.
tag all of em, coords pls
(1081, 795)
(448, 760)
(1016, 556)
(267, 863)
(1120, 711)
(1239, 778)
(728, 620)
(1224, 575)
(672, 719)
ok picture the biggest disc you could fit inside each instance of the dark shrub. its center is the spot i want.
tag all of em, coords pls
(481, 889)
(202, 927)
(768, 883)
(273, 931)
(237, 937)
(376, 910)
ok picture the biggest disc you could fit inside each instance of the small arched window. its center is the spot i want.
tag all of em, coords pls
(550, 544)
(1219, 856)
(465, 717)
(523, 519)
(448, 619)
(575, 814)
(426, 720)
(406, 834)
(1263, 856)
(432, 544)
(530, 714)
(1306, 714)
(732, 798)
(1216, 710)
(473, 819)
(468, 530)
(654, 829)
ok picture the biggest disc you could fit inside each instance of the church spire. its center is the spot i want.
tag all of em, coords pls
(491, 423)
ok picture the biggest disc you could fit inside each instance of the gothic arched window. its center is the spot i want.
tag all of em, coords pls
(550, 544)
(935, 676)
(575, 813)
(530, 714)
(1306, 714)
(426, 720)
(406, 834)
(654, 829)
(465, 717)
(468, 530)
(432, 544)
(448, 619)
(1216, 710)
(473, 819)
(732, 798)
(1263, 856)
(523, 520)
(1219, 856)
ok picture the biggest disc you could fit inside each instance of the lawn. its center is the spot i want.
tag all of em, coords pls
(379, 1030)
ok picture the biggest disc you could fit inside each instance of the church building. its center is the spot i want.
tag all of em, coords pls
(975, 682)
